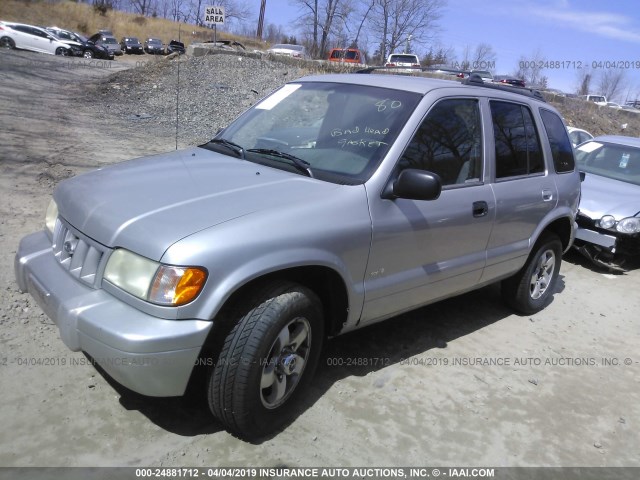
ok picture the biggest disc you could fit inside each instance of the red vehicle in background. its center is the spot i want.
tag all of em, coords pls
(346, 55)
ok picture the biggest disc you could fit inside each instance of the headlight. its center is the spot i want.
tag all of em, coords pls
(51, 216)
(608, 221)
(629, 225)
(153, 281)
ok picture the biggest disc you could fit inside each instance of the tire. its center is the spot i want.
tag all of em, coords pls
(87, 54)
(62, 51)
(267, 360)
(6, 42)
(531, 289)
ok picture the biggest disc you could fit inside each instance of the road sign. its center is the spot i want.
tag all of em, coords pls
(214, 15)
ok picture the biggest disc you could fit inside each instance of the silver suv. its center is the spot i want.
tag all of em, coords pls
(336, 202)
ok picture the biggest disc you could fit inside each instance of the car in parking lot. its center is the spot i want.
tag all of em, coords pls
(578, 136)
(403, 62)
(107, 41)
(36, 39)
(336, 202)
(346, 55)
(597, 99)
(629, 108)
(609, 216)
(485, 75)
(174, 46)
(506, 79)
(131, 45)
(87, 49)
(289, 50)
(154, 46)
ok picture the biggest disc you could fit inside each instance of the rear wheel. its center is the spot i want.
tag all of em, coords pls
(6, 42)
(267, 359)
(62, 51)
(531, 289)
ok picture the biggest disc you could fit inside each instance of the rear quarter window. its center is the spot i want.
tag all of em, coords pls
(561, 149)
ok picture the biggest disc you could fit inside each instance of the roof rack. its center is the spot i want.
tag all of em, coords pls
(472, 79)
(476, 80)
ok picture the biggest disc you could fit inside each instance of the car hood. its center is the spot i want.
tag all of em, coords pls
(146, 205)
(604, 196)
(72, 43)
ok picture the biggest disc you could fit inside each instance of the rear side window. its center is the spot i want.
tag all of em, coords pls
(517, 144)
(561, 148)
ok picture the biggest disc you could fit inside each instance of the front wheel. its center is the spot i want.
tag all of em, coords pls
(531, 289)
(267, 359)
(87, 54)
(62, 51)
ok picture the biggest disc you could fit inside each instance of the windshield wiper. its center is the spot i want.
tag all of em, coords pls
(229, 144)
(300, 164)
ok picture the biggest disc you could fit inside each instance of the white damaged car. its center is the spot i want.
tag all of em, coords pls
(609, 216)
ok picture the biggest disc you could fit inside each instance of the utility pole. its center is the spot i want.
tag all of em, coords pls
(263, 6)
(407, 47)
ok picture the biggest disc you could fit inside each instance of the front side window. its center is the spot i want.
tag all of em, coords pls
(341, 132)
(561, 148)
(517, 144)
(448, 142)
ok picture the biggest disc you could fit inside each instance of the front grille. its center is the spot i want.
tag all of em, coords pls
(77, 254)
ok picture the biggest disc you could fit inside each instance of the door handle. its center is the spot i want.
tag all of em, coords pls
(480, 209)
(547, 195)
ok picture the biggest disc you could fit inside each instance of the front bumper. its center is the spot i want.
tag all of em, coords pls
(146, 354)
(597, 238)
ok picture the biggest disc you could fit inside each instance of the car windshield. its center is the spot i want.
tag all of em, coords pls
(610, 160)
(154, 41)
(340, 131)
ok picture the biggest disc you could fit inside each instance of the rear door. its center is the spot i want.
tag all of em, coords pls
(525, 191)
(24, 37)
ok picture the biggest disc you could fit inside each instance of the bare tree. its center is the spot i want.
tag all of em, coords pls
(483, 57)
(322, 19)
(612, 82)
(398, 22)
(143, 7)
(530, 68)
(171, 8)
(584, 81)
(438, 55)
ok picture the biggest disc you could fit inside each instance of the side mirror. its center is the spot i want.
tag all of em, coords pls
(414, 184)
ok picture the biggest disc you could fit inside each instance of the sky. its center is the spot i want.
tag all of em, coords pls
(570, 33)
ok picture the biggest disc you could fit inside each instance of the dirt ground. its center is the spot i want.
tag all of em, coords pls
(463, 382)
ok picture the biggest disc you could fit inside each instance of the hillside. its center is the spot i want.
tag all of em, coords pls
(84, 19)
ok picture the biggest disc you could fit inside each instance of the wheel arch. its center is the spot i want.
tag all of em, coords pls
(324, 281)
(563, 228)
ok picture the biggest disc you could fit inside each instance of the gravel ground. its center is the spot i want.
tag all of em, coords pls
(213, 91)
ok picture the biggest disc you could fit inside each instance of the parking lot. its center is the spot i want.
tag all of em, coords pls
(461, 382)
